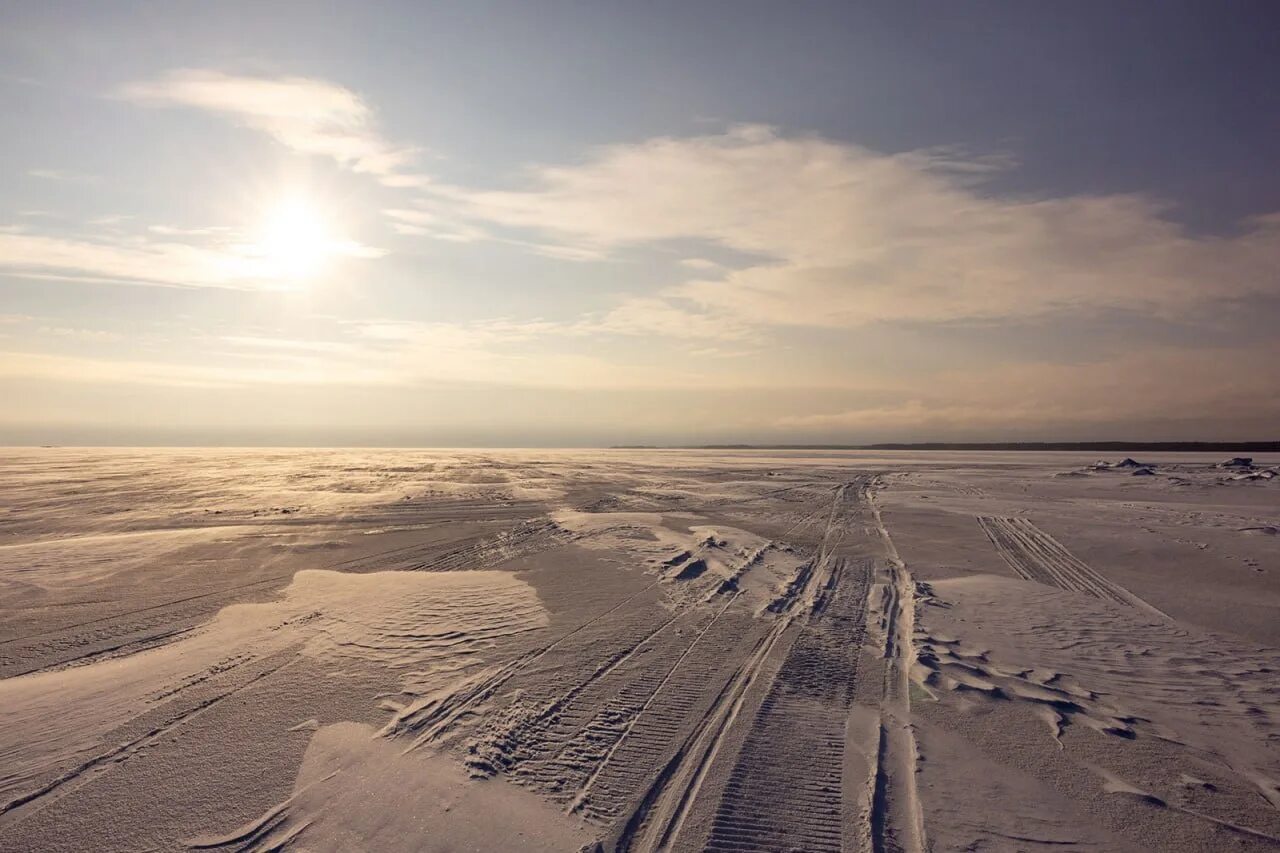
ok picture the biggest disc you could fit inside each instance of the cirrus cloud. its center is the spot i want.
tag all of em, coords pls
(1232, 388)
(307, 115)
(144, 260)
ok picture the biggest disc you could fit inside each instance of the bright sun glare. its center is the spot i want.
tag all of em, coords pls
(294, 239)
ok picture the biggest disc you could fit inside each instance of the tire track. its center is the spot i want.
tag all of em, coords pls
(170, 718)
(595, 746)
(524, 540)
(656, 822)
(656, 727)
(792, 761)
(580, 800)
(896, 818)
(1036, 556)
(546, 744)
(434, 717)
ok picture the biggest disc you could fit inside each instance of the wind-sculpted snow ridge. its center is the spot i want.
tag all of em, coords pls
(58, 722)
(1204, 705)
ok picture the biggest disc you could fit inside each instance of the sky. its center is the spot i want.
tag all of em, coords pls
(582, 224)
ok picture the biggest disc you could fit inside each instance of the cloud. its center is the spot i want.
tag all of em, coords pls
(109, 371)
(35, 327)
(497, 352)
(174, 231)
(366, 354)
(701, 264)
(308, 115)
(652, 316)
(419, 222)
(59, 175)
(77, 333)
(255, 344)
(844, 235)
(123, 259)
(140, 262)
(1228, 391)
(1155, 384)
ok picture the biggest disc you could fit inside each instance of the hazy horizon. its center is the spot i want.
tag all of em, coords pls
(496, 225)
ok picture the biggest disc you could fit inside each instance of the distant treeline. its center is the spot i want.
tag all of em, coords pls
(1083, 446)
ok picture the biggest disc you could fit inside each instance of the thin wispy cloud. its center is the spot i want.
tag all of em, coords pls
(163, 260)
(392, 355)
(59, 175)
(657, 317)
(427, 223)
(701, 264)
(310, 116)
(1146, 384)
(75, 333)
(132, 371)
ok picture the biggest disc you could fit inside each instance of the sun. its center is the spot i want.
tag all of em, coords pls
(294, 239)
